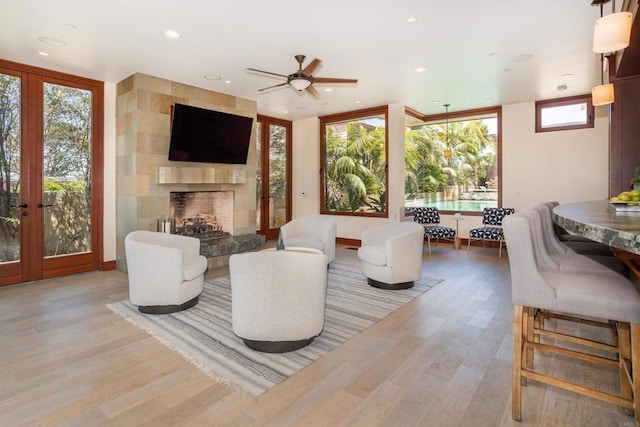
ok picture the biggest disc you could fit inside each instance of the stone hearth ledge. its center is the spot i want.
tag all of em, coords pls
(230, 245)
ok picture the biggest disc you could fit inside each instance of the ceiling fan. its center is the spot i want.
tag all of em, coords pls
(303, 79)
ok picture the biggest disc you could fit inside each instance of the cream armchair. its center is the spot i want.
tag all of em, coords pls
(278, 298)
(311, 231)
(391, 255)
(166, 271)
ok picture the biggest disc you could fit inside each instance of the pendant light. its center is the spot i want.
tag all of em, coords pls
(447, 152)
(611, 32)
(602, 94)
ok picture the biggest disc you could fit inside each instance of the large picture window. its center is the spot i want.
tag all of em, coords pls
(354, 163)
(452, 161)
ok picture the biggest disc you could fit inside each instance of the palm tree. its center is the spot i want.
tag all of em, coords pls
(436, 157)
(356, 168)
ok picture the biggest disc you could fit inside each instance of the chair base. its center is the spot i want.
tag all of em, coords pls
(383, 285)
(277, 346)
(166, 309)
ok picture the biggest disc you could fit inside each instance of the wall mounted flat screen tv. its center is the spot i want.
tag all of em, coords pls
(201, 135)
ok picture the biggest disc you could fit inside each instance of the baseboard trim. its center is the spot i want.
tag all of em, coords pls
(108, 265)
(348, 242)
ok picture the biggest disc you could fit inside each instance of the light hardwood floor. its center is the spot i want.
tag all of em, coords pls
(442, 360)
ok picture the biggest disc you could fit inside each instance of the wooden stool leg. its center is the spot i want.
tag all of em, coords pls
(516, 392)
(528, 324)
(635, 368)
(624, 345)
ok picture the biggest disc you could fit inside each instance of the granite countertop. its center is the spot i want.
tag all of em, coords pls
(598, 221)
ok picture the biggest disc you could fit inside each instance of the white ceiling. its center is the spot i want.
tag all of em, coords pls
(467, 46)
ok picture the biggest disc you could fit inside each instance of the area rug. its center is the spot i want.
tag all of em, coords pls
(203, 333)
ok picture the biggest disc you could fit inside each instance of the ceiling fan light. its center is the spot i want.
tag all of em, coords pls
(612, 32)
(602, 94)
(300, 83)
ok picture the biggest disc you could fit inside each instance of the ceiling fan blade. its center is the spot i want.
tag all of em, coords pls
(273, 87)
(311, 67)
(333, 80)
(267, 72)
(312, 91)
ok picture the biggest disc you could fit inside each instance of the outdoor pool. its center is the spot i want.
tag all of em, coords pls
(453, 205)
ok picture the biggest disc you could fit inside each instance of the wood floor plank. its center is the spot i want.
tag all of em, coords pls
(442, 359)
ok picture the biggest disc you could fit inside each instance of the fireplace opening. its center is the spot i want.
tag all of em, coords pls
(203, 214)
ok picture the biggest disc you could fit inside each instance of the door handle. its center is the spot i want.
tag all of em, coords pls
(40, 205)
(25, 213)
(23, 206)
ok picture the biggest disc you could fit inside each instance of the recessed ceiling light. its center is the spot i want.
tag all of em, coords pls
(302, 107)
(71, 26)
(523, 57)
(172, 34)
(41, 53)
(420, 69)
(328, 89)
(506, 70)
(562, 88)
(488, 101)
(493, 54)
(285, 112)
(566, 76)
(51, 41)
(435, 102)
(212, 77)
(411, 19)
(228, 82)
(356, 102)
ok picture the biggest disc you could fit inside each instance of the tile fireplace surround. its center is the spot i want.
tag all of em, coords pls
(145, 177)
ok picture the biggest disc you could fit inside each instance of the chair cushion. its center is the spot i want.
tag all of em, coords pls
(605, 297)
(194, 267)
(304, 242)
(486, 233)
(439, 232)
(373, 254)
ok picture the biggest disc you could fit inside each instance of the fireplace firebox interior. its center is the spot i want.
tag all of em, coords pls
(202, 214)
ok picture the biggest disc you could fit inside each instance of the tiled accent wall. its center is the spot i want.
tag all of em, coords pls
(143, 107)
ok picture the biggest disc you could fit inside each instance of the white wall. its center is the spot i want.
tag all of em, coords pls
(109, 220)
(567, 166)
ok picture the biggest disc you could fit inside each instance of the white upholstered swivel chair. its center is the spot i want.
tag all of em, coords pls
(166, 271)
(391, 255)
(278, 298)
(311, 231)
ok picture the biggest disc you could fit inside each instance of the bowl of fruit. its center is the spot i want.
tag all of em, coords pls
(626, 201)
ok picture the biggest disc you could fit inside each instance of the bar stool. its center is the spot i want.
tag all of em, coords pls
(561, 258)
(570, 243)
(539, 289)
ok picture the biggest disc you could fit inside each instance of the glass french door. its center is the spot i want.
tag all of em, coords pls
(49, 204)
(273, 175)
